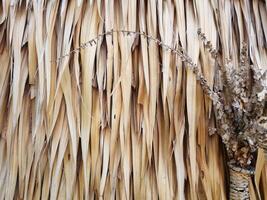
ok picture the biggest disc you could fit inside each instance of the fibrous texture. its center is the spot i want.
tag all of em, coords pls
(239, 184)
(124, 116)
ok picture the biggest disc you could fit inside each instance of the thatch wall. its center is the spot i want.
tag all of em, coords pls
(122, 118)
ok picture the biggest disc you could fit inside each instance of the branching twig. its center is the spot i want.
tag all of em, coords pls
(233, 114)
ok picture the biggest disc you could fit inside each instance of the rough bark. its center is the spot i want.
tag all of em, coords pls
(239, 182)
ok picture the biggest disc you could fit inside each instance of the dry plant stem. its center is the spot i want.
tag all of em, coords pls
(221, 109)
(214, 96)
(178, 51)
(239, 176)
(239, 182)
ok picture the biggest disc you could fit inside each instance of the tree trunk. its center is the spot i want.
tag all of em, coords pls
(239, 182)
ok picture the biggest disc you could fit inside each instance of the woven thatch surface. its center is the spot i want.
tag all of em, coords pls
(122, 118)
